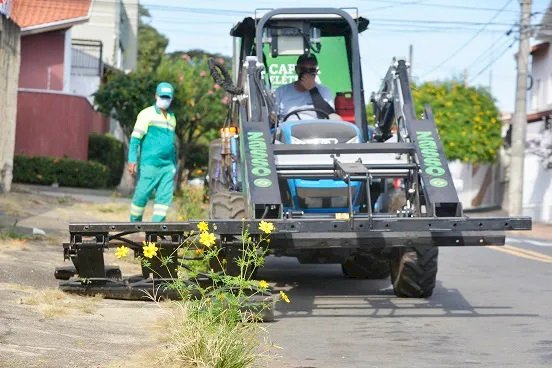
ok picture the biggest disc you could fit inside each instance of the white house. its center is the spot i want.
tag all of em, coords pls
(537, 188)
(110, 37)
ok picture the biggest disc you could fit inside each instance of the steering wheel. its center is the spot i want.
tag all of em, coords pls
(297, 111)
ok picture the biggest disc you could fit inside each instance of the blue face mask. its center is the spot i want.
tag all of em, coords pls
(162, 103)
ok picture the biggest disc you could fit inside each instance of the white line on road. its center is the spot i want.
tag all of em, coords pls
(538, 243)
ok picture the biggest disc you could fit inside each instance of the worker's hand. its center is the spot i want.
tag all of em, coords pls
(308, 81)
(132, 168)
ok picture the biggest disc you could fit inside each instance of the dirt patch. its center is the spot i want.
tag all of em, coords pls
(39, 325)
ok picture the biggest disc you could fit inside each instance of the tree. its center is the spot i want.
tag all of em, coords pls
(151, 44)
(467, 118)
(199, 104)
(123, 96)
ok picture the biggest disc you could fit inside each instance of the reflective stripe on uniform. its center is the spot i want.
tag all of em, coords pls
(160, 209)
(136, 210)
(161, 124)
(138, 133)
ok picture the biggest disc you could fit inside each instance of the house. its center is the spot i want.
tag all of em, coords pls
(537, 188)
(113, 23)
(109, 40)
(51, 119)
(9, 74)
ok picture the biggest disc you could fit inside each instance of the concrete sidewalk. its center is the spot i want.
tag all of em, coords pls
(81, 194)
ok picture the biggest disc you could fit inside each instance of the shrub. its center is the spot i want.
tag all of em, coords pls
(64, 171)
(467, 118)
(107, 150)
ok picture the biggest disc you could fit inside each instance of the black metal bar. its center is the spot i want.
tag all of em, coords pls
(341, 148)
(331, 175)
(329, 225)
(380, 240)
(331, 166)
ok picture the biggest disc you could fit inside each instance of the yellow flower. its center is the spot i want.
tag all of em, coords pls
(266, 227)
(263, 284)
(203, 226)
(207, 239)
(284, 297)
(150, 249)
(121, 252)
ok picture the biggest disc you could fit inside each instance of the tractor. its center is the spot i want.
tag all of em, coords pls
(377, 199)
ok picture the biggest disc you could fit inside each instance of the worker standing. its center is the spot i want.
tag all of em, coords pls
(154, 138)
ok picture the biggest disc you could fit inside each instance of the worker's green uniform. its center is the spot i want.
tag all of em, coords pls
(154, 134)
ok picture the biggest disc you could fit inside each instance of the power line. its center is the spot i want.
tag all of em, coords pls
(444, 6)
(488, 52)
(457, 51)
(492, 62)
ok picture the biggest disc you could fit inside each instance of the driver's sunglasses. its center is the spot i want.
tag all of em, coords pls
(308, 70)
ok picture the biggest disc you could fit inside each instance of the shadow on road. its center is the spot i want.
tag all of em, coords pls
(323, 291)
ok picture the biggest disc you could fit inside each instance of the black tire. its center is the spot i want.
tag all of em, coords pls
(216, 181)
(366, 266)
(227, 205)
(414, 271)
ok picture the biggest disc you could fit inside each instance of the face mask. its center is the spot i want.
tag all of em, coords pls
(163, 103)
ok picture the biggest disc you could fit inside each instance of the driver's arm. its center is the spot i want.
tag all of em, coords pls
(327, 95)
(279, 105)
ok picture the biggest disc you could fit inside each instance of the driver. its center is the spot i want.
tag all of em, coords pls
(305, 93)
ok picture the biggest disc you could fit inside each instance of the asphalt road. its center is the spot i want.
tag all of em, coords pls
(492, 307)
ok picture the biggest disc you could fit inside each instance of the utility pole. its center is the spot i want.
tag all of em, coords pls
(519, 120)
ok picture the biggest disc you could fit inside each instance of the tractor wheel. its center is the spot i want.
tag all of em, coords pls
(227, 205)
(413, 271)
(365, 266)
(215, 178)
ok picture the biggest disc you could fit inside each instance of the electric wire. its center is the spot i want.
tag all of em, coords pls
(461, 48)
(491, 63)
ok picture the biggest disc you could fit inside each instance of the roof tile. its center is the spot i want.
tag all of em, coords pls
(31, 13)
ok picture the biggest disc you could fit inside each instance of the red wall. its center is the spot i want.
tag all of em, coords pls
(42, 60)
(55, 124)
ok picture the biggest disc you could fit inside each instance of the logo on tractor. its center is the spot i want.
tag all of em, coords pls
(433, 166)
(259, 162)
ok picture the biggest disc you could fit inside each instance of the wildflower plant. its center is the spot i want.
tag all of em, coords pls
(217, 291)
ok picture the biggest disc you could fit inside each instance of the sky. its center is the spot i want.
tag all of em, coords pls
(472, 39)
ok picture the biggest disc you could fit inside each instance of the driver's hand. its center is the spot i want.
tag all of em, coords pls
(308, 81)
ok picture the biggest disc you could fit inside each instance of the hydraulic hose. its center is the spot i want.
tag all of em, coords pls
(222, 77)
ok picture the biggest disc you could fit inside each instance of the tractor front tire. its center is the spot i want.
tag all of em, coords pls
(225, 205)
(414, 271)
(365, 266)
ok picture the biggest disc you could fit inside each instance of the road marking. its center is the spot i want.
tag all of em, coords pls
(529, 241)
(523, 253)
(528, 251)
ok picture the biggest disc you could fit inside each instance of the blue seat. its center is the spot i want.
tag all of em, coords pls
(322, 195)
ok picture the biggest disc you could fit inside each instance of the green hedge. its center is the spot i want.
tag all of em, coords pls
(64, 171)
(107, 150)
